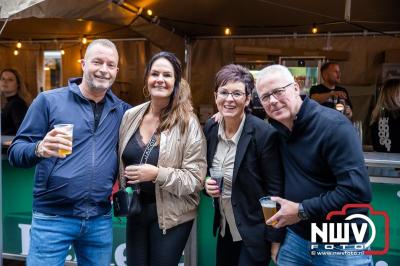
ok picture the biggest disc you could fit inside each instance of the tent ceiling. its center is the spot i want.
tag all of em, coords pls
(255, 17)
(194, 18)
(53, 28)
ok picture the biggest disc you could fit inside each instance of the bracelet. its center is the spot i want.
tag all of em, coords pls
(37, 153)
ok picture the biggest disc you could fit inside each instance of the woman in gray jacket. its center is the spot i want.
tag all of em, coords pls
(163, 151)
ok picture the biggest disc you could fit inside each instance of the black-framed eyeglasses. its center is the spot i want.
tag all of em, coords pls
(235, 94)
(277, 93)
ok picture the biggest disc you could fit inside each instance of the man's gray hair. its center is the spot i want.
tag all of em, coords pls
(273, 70)
(102, 42)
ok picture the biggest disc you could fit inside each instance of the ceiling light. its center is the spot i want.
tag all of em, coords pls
(314, 28)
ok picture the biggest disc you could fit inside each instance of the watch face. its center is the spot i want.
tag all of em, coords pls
(301, 214)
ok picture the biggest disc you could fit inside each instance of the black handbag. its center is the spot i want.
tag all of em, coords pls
(126, 202)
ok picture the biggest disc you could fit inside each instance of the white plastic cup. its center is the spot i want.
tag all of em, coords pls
(67, 130)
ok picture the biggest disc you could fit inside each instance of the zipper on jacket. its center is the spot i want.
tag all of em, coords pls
(164, 230)
(105, 116)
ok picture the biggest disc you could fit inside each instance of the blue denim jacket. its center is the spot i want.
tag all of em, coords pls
(79, 185)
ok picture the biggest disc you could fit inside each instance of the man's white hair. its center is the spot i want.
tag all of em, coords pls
(275, 70)
(102, 42)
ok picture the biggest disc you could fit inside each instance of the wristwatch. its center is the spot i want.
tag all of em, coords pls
(37, 152)
(301, 213)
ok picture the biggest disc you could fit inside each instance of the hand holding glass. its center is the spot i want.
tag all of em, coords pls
(217, 175)
(268, 208)
(67, 133)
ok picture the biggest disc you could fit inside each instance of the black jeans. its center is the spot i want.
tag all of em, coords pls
(146, 245)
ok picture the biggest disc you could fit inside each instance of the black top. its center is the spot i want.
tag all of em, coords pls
(331, 102)
(12, 115)
(133, 154)
(97, 110)
(385, 134)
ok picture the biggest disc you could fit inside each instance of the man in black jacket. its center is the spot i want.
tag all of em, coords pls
(323, 163)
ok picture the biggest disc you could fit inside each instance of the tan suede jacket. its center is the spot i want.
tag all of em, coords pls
(182, 168)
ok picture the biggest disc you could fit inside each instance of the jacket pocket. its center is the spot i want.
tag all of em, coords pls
(42, 173)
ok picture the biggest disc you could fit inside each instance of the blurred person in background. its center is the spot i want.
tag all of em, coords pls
(13, 101)
(245, 148)
(162, 150)
(385, 120)
(329, 93)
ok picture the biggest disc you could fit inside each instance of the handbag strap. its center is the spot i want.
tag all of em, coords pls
(148, 149)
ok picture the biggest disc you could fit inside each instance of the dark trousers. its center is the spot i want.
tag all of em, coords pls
(146, 245)
(231, 253)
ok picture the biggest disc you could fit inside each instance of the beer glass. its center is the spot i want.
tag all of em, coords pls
(340, 106)
(67, 130)
(268, 208)
(218, 175)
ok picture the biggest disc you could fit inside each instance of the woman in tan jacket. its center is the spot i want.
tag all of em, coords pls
(163, 151)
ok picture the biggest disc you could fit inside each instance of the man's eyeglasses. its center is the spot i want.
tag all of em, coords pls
(236, 94)
(277, 93)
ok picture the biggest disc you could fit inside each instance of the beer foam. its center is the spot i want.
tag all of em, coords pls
(268, 204)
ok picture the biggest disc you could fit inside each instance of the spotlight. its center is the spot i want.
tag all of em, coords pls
(314, 28)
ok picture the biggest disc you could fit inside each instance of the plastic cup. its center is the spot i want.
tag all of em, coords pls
(67, 130)
(218, 175)
(268, 208)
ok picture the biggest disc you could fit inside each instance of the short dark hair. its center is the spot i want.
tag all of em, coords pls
(234, 73)
(326, 65)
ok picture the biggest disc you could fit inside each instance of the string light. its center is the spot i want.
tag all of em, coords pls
(16, 52)
(227, 31)
(149, 12)
(314, 29)
(19, 45)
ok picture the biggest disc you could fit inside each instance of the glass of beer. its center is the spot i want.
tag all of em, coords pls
(218, 175)
(268, 208)
(67, 130)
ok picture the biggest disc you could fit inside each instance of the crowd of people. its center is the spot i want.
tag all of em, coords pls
(307, 157)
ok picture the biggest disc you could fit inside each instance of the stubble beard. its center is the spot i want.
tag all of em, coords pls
(97, 87)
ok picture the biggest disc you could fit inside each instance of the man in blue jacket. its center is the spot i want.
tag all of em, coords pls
(71, 196)
(324, 170)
